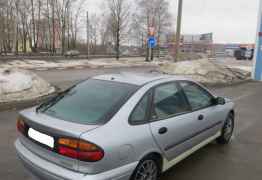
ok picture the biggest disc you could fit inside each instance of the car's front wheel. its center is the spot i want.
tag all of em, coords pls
(147, 169)
(227, 130)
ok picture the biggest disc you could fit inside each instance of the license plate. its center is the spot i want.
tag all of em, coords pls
(41, 138)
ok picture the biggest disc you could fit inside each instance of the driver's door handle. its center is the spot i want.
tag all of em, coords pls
(163, 130)
(201, 117)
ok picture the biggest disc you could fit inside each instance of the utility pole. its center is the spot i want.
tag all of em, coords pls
(87, 33)
(53, 27)
(257, 63)
(178, 31)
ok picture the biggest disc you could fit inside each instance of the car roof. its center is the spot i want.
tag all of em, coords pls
(138, 79)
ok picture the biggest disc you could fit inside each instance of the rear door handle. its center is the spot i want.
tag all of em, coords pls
(163, 130)
(201, 117)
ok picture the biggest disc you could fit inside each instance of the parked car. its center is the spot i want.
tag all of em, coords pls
(244, 54)
(123, 126)
(249, 54)
(72, 53)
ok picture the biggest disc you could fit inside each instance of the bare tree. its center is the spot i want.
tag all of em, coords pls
(75, 22)
(104, 30)
(63, 15)
(39, 4)
(39, 24)
(144, 17)
(163, 20)
(33, 42)
(155, 14)
(53, 2)
(25, 23)
(94, 26)
(36, 7)
(47, 16)
(54, 24)
(7, 25)
(16, 36)
(3, 5)
(118, 21)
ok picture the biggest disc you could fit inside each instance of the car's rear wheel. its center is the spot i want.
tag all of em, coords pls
(147, 169)
(227, 130)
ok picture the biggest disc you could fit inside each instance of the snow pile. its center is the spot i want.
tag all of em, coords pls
(19, 85)
(205, 71)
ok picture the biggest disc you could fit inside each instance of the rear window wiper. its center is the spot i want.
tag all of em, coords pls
(48, 104)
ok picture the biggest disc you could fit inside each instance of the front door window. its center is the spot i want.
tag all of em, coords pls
(168, 101)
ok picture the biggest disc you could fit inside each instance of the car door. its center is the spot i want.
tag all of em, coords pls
(204, 109)
(173, 125)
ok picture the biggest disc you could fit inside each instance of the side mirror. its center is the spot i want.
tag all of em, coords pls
(220, 101)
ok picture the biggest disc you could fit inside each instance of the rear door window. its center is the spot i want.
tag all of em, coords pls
(139, 114)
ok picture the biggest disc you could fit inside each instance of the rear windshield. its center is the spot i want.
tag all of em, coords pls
(91, 102)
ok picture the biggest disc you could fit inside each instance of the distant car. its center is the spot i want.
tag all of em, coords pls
(72, 53)
(244, 54)
(123, 126)
(249, 54)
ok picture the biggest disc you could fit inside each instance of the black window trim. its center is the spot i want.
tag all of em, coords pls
(149, 118)
(201, 88)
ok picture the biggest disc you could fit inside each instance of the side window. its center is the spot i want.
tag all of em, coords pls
(140, 111)
(168, 101)
(197, 96)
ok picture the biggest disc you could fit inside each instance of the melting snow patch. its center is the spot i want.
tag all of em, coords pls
(11, 82)
(205, 71)
(19, 85)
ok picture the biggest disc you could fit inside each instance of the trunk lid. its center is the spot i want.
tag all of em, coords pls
(54, 128)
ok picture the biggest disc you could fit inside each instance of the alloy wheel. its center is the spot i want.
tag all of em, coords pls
(228, 129)
(147, 170)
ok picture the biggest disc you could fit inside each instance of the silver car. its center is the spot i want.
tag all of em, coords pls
(120, 127)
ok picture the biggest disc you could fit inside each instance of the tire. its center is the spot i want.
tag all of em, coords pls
(147, 169)
(227, 130)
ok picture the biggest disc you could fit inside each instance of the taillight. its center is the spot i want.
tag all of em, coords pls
(20, 125)
(79, 149)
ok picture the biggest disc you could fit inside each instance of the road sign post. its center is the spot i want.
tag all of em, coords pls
(257, 68)
(151, 44)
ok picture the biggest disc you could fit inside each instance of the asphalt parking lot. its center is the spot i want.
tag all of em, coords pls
(240, 160)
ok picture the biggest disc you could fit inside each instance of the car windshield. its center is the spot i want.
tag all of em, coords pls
(91, 102)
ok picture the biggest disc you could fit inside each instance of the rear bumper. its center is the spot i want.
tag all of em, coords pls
(45, 170)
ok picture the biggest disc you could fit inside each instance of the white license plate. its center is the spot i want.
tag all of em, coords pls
(41, 138)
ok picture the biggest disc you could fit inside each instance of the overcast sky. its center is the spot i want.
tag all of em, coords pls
(230, 20)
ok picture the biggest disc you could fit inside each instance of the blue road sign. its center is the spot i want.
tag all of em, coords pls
(257, 70)
(152, 42)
